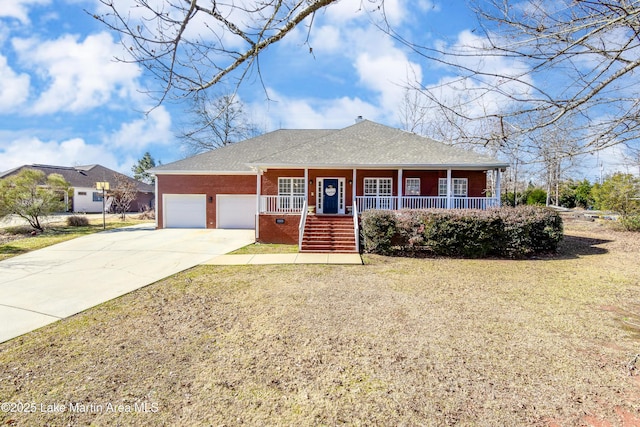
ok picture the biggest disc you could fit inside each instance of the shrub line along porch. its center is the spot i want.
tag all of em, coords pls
(271, 182)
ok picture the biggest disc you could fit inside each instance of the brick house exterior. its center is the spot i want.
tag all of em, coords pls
(275, 182)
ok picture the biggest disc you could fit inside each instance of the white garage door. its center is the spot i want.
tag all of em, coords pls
(185, 211)
(236, 211)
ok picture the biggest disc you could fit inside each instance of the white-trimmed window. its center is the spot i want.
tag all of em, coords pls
(412, 186)
(379, 190)
(290, 193)
(460, 187)
(378, 186)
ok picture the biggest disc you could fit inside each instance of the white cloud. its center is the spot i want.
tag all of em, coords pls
(19, 9)
(607, 162)
(154, 129)
(386, 74)
(79, 75)
(493, 88)
(31, 150)
(299, 113)
(14, 88)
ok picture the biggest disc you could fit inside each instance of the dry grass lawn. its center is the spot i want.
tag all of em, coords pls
(19, 239)
(395, 342)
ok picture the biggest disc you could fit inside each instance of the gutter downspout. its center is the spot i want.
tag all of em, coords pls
(157, 205)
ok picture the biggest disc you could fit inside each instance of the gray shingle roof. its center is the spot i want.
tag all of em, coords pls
(365, 144)
(82, 176)
(236, 157)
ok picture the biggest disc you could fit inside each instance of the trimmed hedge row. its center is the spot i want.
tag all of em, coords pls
(506, 232)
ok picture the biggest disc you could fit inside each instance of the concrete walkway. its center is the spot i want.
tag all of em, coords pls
(294, 258)
(49, 284)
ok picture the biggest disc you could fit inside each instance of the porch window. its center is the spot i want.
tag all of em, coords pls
(378, 187)
(378, 192)
(290, 193)
(412, 186)
(460, 187)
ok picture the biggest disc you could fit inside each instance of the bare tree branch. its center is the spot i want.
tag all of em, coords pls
(214, 123)
(536, 64)
(190, 46)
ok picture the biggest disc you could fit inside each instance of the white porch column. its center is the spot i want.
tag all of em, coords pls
(306, 186)
(399, 189)
(449, 188)
(497, 189)
(258, 191)
(354, 184)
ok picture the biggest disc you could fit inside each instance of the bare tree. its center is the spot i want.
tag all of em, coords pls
(216, 123)
(631, 157)
(543, 58)
(193, 45)
(547, 59)
(123, 193)
(555, 158)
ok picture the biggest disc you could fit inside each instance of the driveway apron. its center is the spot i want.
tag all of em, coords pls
(49, 284)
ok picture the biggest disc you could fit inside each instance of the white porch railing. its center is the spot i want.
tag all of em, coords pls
(364, 203)
(282, 204)
(295, 204)
(426, 202)
(474, 203)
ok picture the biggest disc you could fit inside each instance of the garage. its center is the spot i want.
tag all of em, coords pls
(185, 211)
(236, 211)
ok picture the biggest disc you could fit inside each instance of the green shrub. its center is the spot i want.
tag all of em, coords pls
(631, 222)
(529, 230)
(378, 231)
(506, 232)
(77, 221)
(537, 196)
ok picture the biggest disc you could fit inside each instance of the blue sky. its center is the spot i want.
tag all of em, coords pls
(65, 101)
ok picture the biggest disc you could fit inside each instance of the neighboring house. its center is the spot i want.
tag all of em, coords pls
(271, 182)
(86, 198)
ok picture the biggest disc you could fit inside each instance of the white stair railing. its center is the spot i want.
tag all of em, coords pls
(303, 222)
(356, 226)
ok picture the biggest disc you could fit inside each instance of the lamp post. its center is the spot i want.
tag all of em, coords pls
(103, 186)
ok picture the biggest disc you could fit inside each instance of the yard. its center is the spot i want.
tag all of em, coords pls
(547, 341)
(20, 239)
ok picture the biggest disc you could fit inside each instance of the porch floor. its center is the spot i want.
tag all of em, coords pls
(296, 258)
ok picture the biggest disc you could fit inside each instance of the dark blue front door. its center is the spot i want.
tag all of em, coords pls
(330, 196)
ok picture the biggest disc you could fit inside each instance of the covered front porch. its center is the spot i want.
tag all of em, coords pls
(291, 200)
(345, 192)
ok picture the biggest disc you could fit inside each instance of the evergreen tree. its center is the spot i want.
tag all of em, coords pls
(140, 169)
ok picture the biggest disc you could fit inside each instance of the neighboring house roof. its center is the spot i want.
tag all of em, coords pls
(364, 145)
(82, 176)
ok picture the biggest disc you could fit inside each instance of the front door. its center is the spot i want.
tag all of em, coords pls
(330, 196)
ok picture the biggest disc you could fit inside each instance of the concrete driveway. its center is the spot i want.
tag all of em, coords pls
(50, 284)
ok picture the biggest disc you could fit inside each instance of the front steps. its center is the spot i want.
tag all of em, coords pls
(329, 234)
